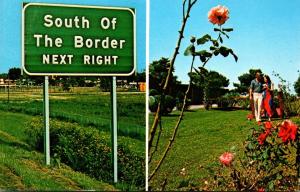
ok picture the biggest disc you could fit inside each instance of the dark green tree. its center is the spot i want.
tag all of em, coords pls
(245, 80)
(3, 75)
(212, 83)
(14, 73)
(105, 83)
(158, 71)
(297, 86)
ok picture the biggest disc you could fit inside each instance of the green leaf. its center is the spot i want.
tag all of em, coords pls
(217, 29)
(202, 58)
(203, 53)
(224, 51)
(227, 29)
(215, 43)
(190, 50)
(221, 39)
(193, 39)
(250, 146)
(234, 55)
(212, 48)
(203, 39)
(271, 186)
(216, 52)
(265, 154)
(278, 176)
(225, 34)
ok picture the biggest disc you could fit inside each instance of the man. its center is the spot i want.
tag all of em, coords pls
(256, 90)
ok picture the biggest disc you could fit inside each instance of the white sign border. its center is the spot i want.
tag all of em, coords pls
(78, 74)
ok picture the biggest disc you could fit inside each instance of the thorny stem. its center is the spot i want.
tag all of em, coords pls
(176, 52)
(157, 141)
(176, 126)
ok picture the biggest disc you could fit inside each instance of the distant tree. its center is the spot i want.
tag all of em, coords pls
(158, 71)
(140, 77)
(297, 86)
(14, 73)
(212, 83)
(3, 75)
(245, 80)
(105, 83)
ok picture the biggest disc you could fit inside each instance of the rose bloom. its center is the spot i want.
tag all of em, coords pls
(288, 131)
(268, 125)
(250, 116)
(226, 158)
(218, 15)
(262, 137)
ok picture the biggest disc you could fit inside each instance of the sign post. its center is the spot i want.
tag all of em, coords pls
(46, 121)
(114, 130)
(74, 40)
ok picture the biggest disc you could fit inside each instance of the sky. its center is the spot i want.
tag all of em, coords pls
(266, 35)
(10, 28)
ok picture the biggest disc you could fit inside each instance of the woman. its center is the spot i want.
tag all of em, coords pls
(268, 96)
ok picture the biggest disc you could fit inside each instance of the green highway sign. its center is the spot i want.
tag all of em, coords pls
(78, 40)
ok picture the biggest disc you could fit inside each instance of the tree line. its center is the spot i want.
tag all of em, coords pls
(66, 82)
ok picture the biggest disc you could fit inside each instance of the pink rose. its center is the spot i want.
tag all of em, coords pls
(218, 15)
(226, 158)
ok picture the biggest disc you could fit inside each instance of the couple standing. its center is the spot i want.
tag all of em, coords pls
(261, 93)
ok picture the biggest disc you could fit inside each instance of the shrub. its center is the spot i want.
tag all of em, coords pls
(271, 159)
(167, 105)
(88, 150)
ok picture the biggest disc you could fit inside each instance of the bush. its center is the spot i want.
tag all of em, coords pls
(153, 103)
(166, 107)
(270, 160)
(88, 150)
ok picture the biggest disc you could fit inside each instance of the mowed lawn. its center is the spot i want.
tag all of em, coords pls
(22, 168)
(202, 137)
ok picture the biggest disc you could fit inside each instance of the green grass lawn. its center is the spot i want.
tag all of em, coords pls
(87, 109)
(202, 137)
(23, 169)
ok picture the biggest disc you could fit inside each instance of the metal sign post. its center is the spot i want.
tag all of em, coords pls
(114, 126)
(46, 121)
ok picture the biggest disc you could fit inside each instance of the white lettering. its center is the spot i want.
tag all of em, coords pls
(99, 60)
(48, 21)
(78, 41)
(57, 59)
(105, 23)
(77, 22)
(37, 39)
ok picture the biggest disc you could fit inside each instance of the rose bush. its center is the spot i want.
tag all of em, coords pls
(270, 160)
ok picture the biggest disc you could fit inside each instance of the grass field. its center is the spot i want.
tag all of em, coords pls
(202, 137)
(86, 108)
(22, 168)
